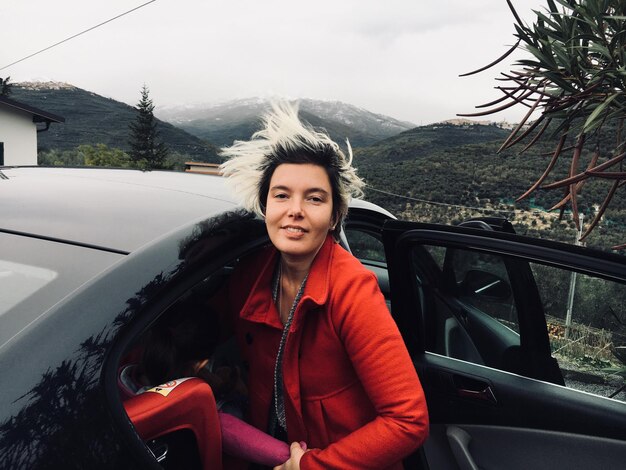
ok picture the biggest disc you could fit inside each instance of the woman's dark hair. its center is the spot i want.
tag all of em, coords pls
(285, 139)
(323, 157)
(172, 348)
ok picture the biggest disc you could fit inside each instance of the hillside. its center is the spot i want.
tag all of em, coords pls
(445, 163)
(91, 119)
(457, 167)
(428, 140)
(238, 119)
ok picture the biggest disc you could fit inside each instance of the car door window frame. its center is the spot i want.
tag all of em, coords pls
(399, 237)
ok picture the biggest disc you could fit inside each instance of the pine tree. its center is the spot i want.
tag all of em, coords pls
(5, 86)
(146, 148)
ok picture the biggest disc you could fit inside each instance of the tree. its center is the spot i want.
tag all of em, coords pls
(577, 79)
(146, 149)
(5, 86)
(101, 155)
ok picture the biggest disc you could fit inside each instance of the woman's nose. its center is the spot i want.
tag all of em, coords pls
(295, 209)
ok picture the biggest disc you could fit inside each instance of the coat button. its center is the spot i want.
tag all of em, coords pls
(248, 339)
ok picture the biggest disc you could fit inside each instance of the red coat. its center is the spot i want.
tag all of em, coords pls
(351, 391)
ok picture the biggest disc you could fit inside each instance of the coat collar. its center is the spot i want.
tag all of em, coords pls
(259, 307)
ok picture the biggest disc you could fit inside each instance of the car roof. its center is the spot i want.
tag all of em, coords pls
(117, 210)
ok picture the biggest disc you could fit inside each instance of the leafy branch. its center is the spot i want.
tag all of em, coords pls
(576, 79)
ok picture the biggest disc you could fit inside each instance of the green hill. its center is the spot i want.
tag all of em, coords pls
(93, 119)
(432, 139)
(458, 168)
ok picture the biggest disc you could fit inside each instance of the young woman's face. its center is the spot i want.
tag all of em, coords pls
(299, 209)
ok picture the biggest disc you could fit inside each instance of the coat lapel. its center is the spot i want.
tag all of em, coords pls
(260, 308)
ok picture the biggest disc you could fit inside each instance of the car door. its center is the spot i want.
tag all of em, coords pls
(487, 318)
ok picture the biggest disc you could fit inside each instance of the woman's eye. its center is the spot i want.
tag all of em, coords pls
(280, 195)
(316, 199)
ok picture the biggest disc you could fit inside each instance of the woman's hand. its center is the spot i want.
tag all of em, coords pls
(297, 450)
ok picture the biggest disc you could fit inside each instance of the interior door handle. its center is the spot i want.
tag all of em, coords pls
(459, 443)
(483, 394)
(474, 388)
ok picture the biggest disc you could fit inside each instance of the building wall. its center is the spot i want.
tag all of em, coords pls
(19, 134)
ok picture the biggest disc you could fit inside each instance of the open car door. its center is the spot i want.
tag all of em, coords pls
(519, 344)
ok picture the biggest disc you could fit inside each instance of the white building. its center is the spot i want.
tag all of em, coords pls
(19, 125)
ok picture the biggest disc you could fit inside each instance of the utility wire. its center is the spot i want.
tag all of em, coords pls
(435, 203)
(76, 35)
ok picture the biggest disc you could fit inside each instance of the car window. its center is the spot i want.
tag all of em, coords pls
(438, 254)
(365, 246)
(467, 306)
(482, 281)
(370, 250)
(586, 320)
(488, 309)
(183, 356)
(176, 359)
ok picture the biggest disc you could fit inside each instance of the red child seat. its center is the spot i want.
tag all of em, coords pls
(180, 404)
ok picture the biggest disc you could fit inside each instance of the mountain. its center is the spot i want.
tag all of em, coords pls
(448, 163)
(239, 119)
(92, 119)
(425, 141)
(451, 164)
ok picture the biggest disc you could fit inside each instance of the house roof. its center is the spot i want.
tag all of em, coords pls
(39, 115)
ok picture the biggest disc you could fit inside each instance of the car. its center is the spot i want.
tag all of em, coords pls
(515, 340)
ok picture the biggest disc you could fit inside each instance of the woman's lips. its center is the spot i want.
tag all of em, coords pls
(294, 231)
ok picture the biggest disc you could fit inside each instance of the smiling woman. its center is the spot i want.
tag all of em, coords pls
(299, 210)
(327, 364)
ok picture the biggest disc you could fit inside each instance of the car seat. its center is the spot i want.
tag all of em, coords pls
(182, 404)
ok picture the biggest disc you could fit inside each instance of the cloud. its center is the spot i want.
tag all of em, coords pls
(399, 57)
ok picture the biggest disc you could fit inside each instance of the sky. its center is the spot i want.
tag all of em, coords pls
(401, 58)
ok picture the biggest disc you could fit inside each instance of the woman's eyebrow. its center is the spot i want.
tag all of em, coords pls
(281, 187)
(316, 190)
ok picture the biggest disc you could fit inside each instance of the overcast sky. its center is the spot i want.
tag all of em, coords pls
(401, 58)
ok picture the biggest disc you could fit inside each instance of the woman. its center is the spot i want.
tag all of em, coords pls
(327, 364)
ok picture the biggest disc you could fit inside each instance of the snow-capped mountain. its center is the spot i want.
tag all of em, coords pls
(44, 84)
(222, 123)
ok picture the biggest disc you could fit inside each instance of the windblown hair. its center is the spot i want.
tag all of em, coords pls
(285, 139)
